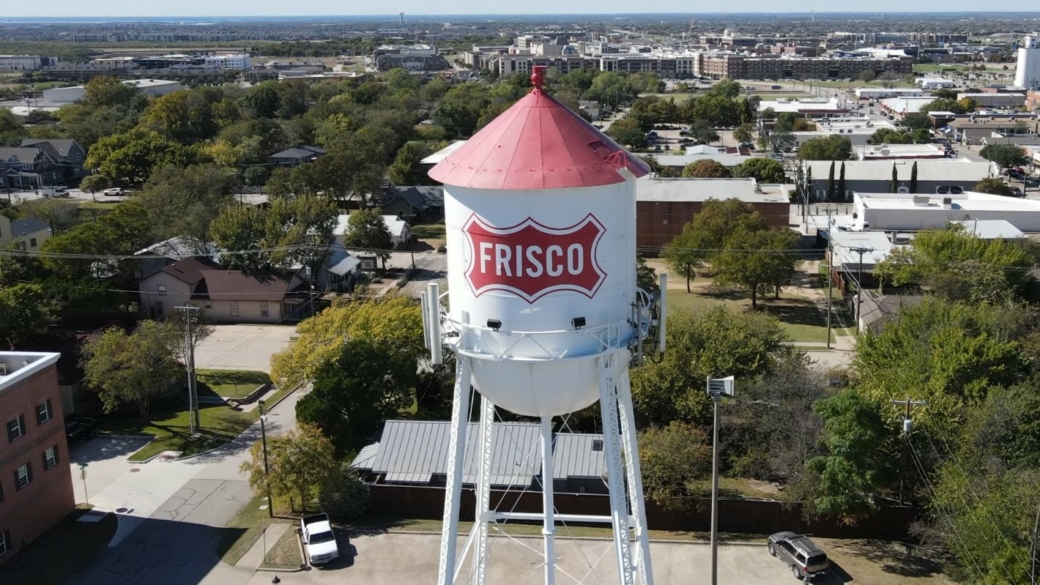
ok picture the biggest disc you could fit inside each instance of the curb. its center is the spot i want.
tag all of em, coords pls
(276, 570)
(287, 394)
(142, 462)
(594, 538)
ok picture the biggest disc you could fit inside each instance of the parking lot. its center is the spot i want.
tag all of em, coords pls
(397, 558)
(105, 460)
(243, 347)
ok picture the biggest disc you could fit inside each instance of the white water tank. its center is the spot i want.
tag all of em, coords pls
(540, 214)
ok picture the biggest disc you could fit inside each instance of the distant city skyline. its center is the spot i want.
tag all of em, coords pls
(327, 8)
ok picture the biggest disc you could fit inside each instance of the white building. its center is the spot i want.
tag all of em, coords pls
(20, 62)
(1027, 70)
(905, 105)
(400, 231)
(875, 93)
(898, 151)
(857, 130)
(808, 107)
(909, 212)
(934, 82)
(152, 87)
(238, 61)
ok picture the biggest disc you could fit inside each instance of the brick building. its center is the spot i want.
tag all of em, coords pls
(35, 477)
(664, 206)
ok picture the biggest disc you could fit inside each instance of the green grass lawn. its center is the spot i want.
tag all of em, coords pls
(83, 204)
(285, 554)
(427, 231)
(231, 383)
(73, 544)
(169, 425)
(800, 318)
(242, 532)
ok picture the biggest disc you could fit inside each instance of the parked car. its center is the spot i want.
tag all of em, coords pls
(1018, 192)
(80, 429)
(113, 191)
(319, 541)
(1031, 182)
(800, 553)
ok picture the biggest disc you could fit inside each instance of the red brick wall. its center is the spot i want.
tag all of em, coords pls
(658, 222)
(28, 512)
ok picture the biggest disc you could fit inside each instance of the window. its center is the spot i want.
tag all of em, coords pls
(50, 458)
(44, 412)
(159, 308)
(32, 242)
(22, 476)
(208, 305)
(263, 309)
(15, 428)
(1, 492)
(234, 308)
(162, 290)
(5, 538)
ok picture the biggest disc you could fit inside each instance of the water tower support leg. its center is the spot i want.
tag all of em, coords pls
(548, 508)
(635, 481)
(615, 466)
(482, 514)
(456, 461)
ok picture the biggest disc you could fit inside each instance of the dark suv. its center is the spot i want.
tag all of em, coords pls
(801, 554)
(81, 429)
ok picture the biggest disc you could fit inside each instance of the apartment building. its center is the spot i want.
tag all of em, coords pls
(35, 477)
(821, 68)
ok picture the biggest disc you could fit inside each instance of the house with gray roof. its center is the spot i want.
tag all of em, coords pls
(415, 452)
(67, 154)
(295, 157)
(413, 203)
(28, 233)
(28, 167)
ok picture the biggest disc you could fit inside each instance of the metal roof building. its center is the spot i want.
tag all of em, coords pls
(416, 452)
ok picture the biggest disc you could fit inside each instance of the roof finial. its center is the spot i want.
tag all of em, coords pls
(538, 76)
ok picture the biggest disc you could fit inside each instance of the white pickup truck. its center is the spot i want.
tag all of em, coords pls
(318, 539)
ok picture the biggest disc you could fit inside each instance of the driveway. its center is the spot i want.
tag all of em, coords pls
(243, 347)
(105, 460)
(404, 559)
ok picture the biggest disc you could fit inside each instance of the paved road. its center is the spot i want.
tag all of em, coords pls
(172, 514)
(243, 347)
(407, 559)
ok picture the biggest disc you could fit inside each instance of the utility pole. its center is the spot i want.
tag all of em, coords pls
(859, 282)
(1032, 549)
(190, 313)
(908, 427)
(717, 388)
(830, 280)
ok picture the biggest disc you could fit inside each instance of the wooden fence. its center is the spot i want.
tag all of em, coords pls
(739, 516)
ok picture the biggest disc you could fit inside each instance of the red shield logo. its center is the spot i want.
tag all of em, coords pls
(532, 260)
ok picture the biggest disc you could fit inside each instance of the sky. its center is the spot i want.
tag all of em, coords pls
(153, 8)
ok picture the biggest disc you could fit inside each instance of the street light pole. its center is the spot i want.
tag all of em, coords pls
(717, 387)
(263, 441)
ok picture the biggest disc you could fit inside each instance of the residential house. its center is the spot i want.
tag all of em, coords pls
(28, 167)
(35, 476)
(225, 296)
(400, 231)
(876, 309)
(342, 269)
(66, 152)
(295, 157)
(28, 234)
(416, 204)
(161, 254)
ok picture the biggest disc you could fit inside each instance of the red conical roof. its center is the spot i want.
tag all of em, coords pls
(538, 143)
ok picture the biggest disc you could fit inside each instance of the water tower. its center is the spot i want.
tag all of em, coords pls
(542, 312)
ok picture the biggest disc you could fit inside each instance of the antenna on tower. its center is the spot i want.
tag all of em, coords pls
(812, 14)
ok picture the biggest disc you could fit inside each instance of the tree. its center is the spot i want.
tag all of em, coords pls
(956, 265)
(893, 186)
(744, 133)
(263, 99)
(460, 109)
(24, 310)
(830, 183)
(343, 495)
(406, 168)
(355, 393)
(859, 459)
(1005, 155)
(393, 322)
(949, 353)
(945, 93)
(726, 88)
(942, 105)
(684, 255)
(120, 232)
(709, 342)
(780, 141)
(842, 192)
(867, 75)
(785, 122)
(298, 464)
(701, 131)
(94, 183)
(763, 170)
(129, 158)
(366, 229)
(913, 177)
(134, 368)
(182, 116)
(917, 121)
(829, 148)
(994, 186)
(627, 132)
(754, 259)
(183, 201)
(889, 78)
(967, 104)
(107, 91)
(706, 169)
(673, 459)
